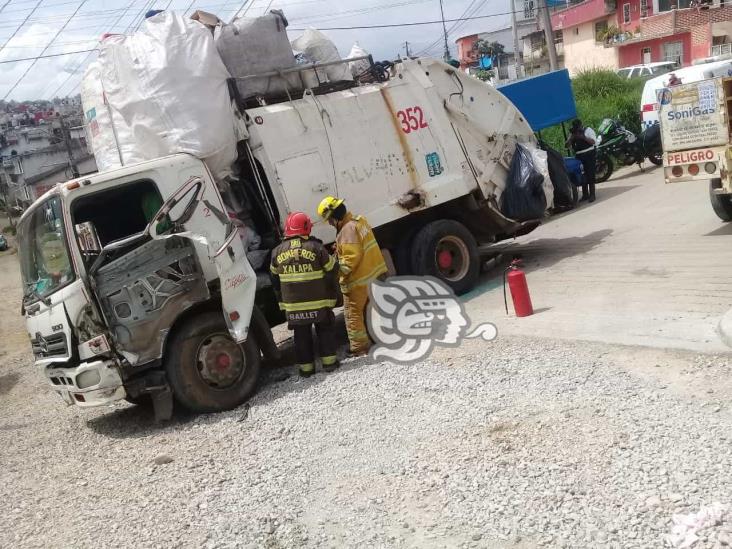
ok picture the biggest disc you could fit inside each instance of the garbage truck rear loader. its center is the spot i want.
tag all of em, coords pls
(139, 283)
(424, 156)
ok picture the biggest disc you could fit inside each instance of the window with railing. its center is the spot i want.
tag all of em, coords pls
(668, 5)
(644, 8)
(600, 31)
(529, 9)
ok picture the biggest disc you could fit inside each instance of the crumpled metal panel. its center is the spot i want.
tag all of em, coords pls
(144, 291)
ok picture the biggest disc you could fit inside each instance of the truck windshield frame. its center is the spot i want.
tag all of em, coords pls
(45, 259)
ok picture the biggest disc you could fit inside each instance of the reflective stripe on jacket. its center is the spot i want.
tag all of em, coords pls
(359, 256)
(305, 272)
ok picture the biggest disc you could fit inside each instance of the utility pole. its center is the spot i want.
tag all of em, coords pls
(406, 47)
(516, 51)
(444, 32)
(548, 35)
(67, 141)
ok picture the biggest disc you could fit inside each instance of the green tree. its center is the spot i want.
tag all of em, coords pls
(483, 75)
(483, 48)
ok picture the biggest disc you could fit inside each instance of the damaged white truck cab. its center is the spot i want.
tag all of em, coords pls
(136, 284)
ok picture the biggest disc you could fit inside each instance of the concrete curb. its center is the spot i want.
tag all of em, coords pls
(725, 328)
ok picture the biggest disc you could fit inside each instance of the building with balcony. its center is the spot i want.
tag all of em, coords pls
(526, 23)
(34, 157)
(584, 27)
(683, 35)
(620, 33)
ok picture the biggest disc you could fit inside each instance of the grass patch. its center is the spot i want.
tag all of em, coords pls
(9, 230)
(602, 94)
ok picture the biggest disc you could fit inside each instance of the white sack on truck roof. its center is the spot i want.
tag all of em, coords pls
(250, 46)
(109, 136)
(321, 49)
(169, 84)
(358, 67)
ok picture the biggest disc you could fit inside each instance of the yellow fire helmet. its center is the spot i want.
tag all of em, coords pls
(328, 205)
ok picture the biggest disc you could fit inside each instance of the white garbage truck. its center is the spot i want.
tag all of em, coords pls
(695, 131)
(143, 282)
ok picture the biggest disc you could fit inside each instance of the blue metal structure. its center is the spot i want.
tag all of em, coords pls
(545, 100)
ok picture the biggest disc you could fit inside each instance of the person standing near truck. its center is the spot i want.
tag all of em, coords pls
(304, 276)
(583, 142)
(360, 261)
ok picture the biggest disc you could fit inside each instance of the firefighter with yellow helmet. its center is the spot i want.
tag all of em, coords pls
(303, 275)
(360, 262)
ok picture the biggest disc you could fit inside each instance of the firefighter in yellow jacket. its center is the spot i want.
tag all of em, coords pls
(360, 262)
(303, 273)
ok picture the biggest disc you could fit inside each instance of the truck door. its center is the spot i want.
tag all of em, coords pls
(306, 182)
(196, 211)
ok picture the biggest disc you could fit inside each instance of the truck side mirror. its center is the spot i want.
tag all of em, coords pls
(179, 207)
(86, 235)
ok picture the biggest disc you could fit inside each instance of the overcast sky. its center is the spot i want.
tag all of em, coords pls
(61, 75)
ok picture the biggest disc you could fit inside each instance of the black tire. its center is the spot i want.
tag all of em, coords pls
(186, 371)
(721, 203)
(604, 168)
(142, 400)
(446, 235)
(656, 157)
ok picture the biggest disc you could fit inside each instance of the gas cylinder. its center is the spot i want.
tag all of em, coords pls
(519, 290)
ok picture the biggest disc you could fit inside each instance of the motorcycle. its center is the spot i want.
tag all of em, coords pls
(617, 142)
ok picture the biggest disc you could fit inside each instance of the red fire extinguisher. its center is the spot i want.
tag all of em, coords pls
(519, 289)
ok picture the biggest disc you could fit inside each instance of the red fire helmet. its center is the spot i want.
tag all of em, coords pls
(298, 224)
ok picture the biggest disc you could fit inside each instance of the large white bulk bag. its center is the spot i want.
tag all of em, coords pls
(169, 84)
(320, 49)
(258, 45)
(358, 67)
(108, 136)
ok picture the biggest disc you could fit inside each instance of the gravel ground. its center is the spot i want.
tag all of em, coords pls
(519, 443)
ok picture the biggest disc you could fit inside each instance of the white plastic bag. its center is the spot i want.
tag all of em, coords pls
(358, 67)
(541, 163)
(321, 49)
(168, 83)
(110, 138)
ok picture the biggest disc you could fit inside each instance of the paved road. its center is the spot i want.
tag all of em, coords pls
(647, 264)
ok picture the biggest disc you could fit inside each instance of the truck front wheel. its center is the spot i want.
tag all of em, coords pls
(721, 203)
(206, 369)
(446, 250)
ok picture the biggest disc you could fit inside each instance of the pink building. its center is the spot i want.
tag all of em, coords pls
(610, 34)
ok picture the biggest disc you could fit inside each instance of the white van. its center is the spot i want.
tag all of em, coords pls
(648, 70)
(649, 106)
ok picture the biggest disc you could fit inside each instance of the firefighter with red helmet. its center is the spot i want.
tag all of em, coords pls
(304, 276)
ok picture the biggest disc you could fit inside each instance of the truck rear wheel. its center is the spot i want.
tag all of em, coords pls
(721, 203)
(446, 250)
(206, 369)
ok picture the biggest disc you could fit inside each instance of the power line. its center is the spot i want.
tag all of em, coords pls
(5, 5)
(360, 11)
(46, 56)
(88, 55)
(410, 24)
(472, 9)
(21, 25)
(44, 50)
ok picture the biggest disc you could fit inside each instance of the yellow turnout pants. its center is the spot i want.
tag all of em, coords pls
(354, 304)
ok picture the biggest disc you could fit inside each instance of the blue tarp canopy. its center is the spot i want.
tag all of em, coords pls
(545, 100)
